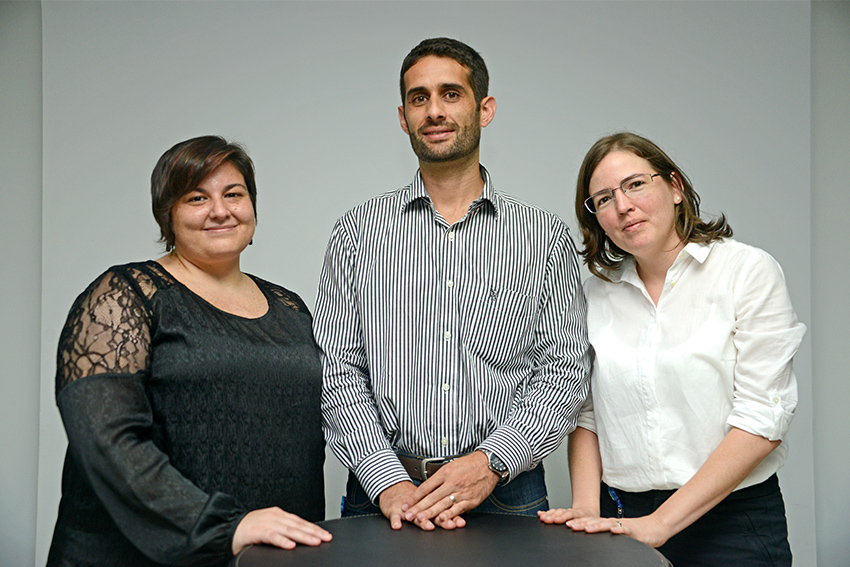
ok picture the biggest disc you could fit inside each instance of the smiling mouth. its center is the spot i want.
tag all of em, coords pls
(632, 224)
(437, 134)
(436, 130)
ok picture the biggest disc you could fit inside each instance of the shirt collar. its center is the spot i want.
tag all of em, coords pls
(628, 270)
(418, 192)
(698, 251)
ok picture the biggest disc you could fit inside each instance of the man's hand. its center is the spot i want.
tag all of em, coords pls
(457, 487)
(391, 501)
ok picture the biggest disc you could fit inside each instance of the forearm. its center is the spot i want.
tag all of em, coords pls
(350, 416)
(161, 512)
(585, 469)
(559, 385)
(353, 429)
(727, 466)
(554, 394)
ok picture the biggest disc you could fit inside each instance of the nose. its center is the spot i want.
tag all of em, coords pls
(218, 208)
(436, 111)
(622, 201)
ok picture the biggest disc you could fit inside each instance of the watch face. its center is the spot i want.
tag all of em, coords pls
(497, 465)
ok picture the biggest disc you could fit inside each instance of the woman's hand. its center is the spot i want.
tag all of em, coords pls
(568, 516)
(273, 526)
(647, 529)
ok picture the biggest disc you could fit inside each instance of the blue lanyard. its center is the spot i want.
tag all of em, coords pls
(617, 501)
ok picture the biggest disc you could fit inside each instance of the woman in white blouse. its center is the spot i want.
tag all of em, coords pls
(693, 388)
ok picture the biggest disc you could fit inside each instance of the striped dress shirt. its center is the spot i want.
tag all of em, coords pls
(440, 339)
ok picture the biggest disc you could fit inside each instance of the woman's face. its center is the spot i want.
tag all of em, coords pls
(215, 221)
(642, 224)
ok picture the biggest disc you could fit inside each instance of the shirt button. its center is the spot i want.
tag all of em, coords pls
(775, 400)
(446, 387)
(444, 441)
(452, 236)
(447, 335)
(450, 284)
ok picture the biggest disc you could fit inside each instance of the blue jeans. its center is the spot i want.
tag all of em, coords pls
(526, 494)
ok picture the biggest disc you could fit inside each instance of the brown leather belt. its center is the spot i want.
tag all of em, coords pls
(420, 468)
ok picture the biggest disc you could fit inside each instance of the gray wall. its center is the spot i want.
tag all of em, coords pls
(20, 286)
(311, 89)
(829, 274)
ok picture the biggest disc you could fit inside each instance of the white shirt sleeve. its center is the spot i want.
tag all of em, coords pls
(766, 338)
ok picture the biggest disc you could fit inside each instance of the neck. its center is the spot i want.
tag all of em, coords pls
(453, 186)
(652, 269)
(224, 272)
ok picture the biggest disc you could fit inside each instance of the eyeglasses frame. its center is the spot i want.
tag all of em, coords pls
(589, 200)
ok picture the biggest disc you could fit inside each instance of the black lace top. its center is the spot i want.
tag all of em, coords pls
(181, 418)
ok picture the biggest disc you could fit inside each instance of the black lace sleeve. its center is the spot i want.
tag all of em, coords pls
(107, 331)
(102, 366)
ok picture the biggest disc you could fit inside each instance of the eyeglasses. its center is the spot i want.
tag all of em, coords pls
(633, 186)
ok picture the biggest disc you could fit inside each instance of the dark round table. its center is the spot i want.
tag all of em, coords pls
(488, 540)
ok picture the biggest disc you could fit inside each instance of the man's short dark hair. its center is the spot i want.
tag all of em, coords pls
(453, 49)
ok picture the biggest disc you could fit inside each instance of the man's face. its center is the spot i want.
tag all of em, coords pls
(440, 113)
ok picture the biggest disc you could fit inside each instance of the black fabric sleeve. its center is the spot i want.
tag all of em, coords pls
(103, 360)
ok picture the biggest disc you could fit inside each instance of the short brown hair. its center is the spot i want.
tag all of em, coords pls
(599, 252)
(182, 168)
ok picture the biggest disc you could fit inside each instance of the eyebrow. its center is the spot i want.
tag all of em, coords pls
(633, 175)
(201, 189)
(441, 86)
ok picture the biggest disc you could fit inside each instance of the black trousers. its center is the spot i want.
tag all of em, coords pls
(746, 529)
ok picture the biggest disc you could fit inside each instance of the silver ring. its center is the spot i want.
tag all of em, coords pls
(619, 524)
(452, 498)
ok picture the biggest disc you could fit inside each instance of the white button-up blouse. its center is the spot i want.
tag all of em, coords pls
(669, 381)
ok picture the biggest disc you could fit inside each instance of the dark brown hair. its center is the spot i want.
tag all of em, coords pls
(479, 78)
(599, 252)
(182, 168)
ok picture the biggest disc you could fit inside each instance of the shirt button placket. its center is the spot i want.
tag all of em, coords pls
(450, 322)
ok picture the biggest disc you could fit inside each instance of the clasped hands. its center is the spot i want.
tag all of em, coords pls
(459, 486)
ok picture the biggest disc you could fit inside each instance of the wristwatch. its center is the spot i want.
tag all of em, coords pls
(497, 466)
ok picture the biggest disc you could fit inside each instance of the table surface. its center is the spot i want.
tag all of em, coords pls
(487, 540)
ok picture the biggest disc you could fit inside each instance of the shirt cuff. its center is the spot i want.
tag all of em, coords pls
(770, 420)
(587, 422)
(507, 444)
(586, 418)
(379, 471)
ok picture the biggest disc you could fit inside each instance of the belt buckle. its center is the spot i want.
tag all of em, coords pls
(423, 466)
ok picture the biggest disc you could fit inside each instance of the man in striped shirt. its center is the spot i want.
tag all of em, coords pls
(451, 322)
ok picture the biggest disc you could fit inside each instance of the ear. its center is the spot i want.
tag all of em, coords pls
(488, 110)
(678, 188)
(403, 120)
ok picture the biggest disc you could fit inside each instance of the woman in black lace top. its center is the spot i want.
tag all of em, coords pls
(189, 390)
